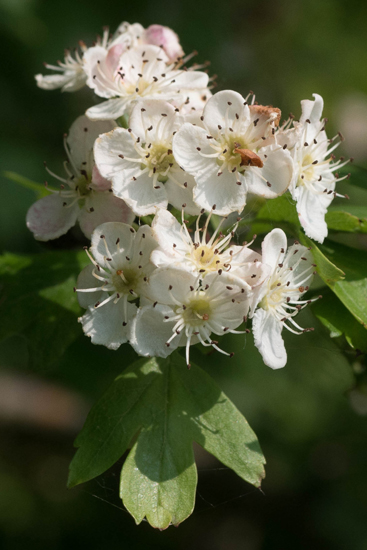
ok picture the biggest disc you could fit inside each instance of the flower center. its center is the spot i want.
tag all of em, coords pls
(205, 257)
(82, 186)
(159, 159)
(197, 311)
(125, 280)
(307, 170)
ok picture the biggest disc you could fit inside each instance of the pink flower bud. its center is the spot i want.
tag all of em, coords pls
(165, 37)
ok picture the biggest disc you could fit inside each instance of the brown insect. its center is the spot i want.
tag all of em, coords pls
(248, 157)
(267, 110)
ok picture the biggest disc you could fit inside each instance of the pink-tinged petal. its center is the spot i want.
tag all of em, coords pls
(312, 110)
(104, 324)
(166, 38)
(189, 144)
(274, 247)
(87, 280)
(99, 183)
(48, 219)
(222, 108)
(101, 208)
(149, 332)
(220, 193)
(111, 109)
(81, 137)
(113, 57)
(268, 339)
(276, 175)
(140, 194)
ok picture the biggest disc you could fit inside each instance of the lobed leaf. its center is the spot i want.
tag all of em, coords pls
(169, 407)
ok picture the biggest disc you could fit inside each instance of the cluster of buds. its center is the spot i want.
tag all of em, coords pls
(162, 146)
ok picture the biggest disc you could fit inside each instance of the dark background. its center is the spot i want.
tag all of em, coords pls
(311, 427)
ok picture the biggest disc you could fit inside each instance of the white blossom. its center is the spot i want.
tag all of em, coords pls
(140, 163)
(84, 195)
(278, 299)
(70, 75)
(187, 311)
(313, 183)
(166, 38)
(200, 254)
(117, 277)
(138, 73)
(233, 154)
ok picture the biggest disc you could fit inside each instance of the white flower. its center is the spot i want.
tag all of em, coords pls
(187, 311)
(233, 154)
(278, 298)
(70, 75)
(166, 38)
(314, 180)
(118, 276)
(140, 163)
(85, 196)
(140, 72)
(201, 255)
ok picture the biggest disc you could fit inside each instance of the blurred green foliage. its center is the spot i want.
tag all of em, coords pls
(315, 493)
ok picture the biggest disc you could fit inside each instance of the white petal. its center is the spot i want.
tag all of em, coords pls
(110, 150)
(91, 58)
(111, 109)
(178, 195)
(272, 247)
(104, 324)
(312, 110)
(87, 280)
(221, 110)
(81, 137)
(223, 192)
(185, 149)
(48, 219)
(180, 281)
(277, 171)
(151, 117)
(119, 238)
(140, 194)
(69, 81)
(167, 232)
(106, 208)
(311, 210)
(149, 333)
(268, 339)
(142, 248)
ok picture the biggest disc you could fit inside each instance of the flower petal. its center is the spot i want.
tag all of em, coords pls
(48, 219)
(274, 247)
(312, 110)
(179, 195)
(149, 333)
(156, 114)
(311, 210)
(268, 339)
(110, 151)
(81, 137)
(220, 193)
(111, 109)
(185, 145)
(104, 324)
(101, 207)
(222, 109)
(87, 280)
(168, 285)
(275, 177)
(117, 241)
(140, 194)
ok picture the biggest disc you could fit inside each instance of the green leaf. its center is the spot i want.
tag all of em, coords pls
(169, 407)
(352, 219)
(279, 212)
(344, 270)
(327, 270)
(338, 320)
(38, 188)
(37, 301)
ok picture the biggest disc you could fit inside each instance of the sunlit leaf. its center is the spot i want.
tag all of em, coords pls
(170, 407)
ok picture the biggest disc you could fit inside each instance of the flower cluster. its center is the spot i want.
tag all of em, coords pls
(161, 146)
